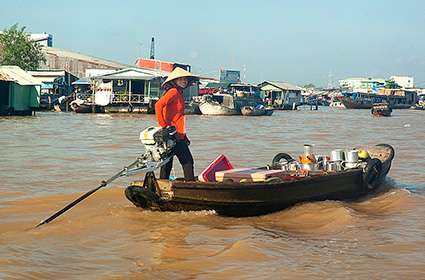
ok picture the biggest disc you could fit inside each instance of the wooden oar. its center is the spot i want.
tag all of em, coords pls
(102, 184)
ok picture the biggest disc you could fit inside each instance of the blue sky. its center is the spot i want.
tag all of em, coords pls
(295, 41)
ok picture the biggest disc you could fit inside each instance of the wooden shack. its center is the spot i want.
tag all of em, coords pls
(19, 91)
(129, 90)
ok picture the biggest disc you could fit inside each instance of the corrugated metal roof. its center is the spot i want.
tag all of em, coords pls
(47, 73)
(283, 85)
(82, 57)
(83, 81)
(17, 75)
(133, 74)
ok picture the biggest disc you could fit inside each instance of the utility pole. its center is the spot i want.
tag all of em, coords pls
(152, 55)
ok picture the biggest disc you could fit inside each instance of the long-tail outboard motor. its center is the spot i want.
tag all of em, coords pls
(159, 143)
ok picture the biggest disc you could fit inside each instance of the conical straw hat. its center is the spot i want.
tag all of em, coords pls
(178, 73)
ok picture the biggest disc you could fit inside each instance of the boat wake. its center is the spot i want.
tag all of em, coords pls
(328, 217)
(314, 217)
(389, 202)
(311, 217)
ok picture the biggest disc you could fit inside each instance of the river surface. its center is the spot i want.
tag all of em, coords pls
(48, 160)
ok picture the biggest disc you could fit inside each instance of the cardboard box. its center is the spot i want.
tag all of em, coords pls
(249, 174)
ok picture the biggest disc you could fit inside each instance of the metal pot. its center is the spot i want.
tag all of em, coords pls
(285, 166)
(349, 165)
(352, 156)
(334, 166)
(337, 155)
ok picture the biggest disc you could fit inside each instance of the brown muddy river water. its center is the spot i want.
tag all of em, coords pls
(48, 160)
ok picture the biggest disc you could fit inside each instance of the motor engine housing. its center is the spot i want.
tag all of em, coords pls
(158, 141)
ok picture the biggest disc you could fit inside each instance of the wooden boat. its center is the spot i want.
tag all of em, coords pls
(253, 111)
(381, 110)
(219, 104)
(227, 104)
(269, 111)
(81, 106)
(256, 111)
(336, 103)
(231, 198)
(419, 106)
(210, 108)
(396, 98)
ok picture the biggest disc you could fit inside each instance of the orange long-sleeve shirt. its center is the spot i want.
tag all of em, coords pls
(169, 110)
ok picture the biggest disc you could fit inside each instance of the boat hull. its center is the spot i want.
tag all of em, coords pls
(381, 114)
(252, 111)
(269, 112)
(86, 108)
(418, 107)
(125, 109)
(381, 110)
(208, 108)
(366, 101)
(256, 199)
(351, 104)
(337, 104)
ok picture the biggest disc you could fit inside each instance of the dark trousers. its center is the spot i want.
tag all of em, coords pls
(181, 150)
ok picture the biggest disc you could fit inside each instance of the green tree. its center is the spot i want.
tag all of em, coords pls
(17, 49)
(391, 84)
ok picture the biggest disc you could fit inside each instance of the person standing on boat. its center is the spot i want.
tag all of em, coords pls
(169, 111)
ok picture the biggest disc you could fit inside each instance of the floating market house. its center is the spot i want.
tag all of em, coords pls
(54, 81)
(54, 84)
(130, 89)
(19, 91)
(281, 94)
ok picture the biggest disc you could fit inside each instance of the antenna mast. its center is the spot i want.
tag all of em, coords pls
(152, 56)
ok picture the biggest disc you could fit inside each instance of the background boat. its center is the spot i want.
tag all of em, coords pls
(396, 98)
(214, 108)
(81, 106)
(253, 111)
(381, 110)
(219, 104)
(259, 110)
(268, 111)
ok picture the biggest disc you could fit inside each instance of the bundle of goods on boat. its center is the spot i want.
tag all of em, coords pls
(381, 110)
(284, 167)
